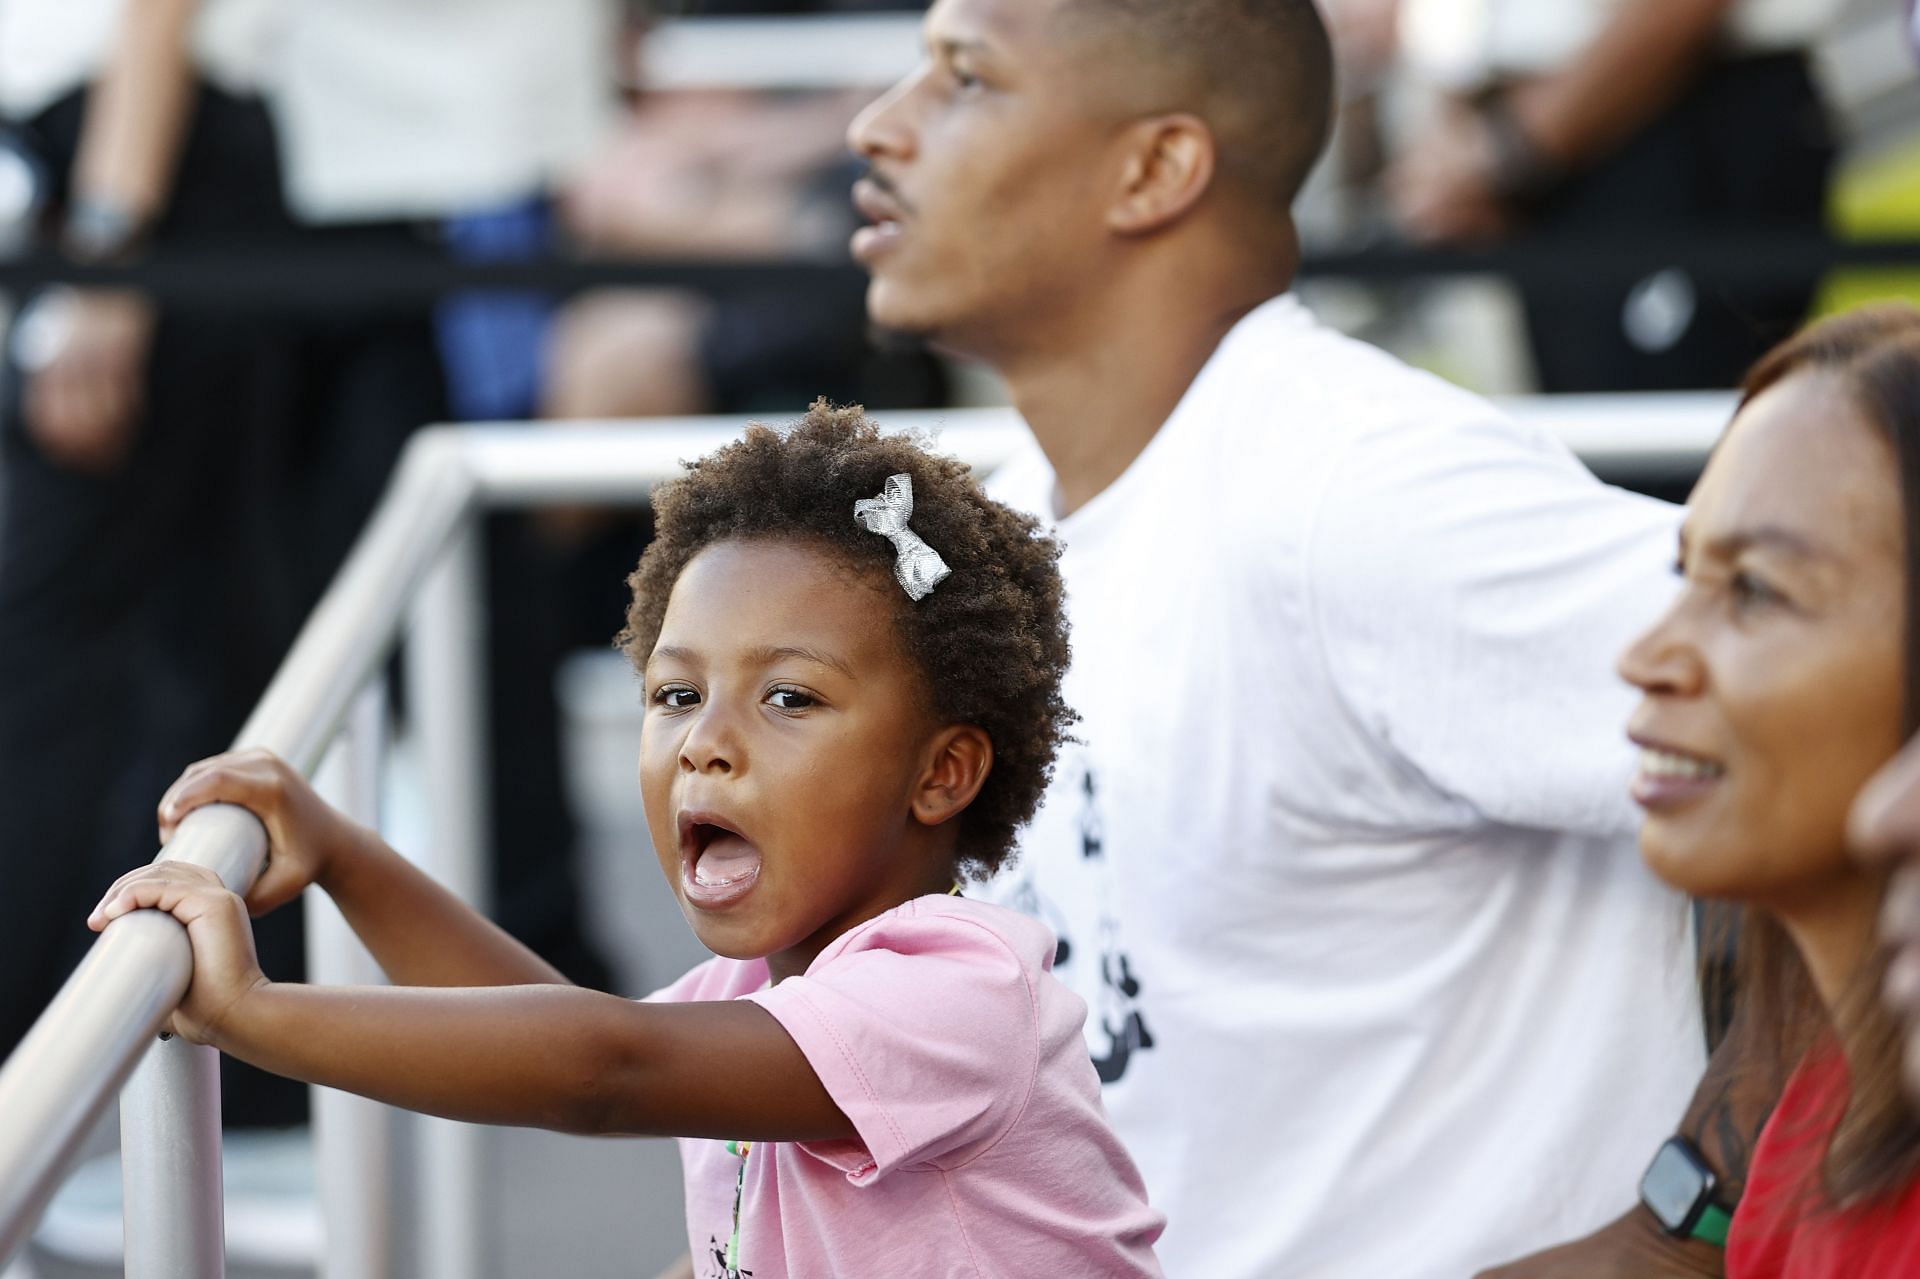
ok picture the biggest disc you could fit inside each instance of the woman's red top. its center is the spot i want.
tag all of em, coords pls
(1783, 1230)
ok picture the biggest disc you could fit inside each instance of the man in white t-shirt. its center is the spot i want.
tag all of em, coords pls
(1343, 864)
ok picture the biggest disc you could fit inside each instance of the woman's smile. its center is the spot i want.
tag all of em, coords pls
(1669, 779)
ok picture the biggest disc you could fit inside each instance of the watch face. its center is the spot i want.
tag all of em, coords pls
(1675, 1185)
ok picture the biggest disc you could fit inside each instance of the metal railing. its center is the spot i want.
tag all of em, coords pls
(417, 567)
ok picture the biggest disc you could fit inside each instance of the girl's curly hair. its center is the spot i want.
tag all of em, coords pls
(991, 640)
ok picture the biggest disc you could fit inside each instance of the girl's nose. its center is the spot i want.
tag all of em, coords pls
(711, 745)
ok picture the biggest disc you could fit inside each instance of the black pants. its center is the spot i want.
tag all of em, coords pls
(1747, 149)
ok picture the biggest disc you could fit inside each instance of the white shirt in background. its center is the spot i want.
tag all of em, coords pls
(386, 109)
(424, 108)
(1344, 864)
(48, 48)
(1464, 44)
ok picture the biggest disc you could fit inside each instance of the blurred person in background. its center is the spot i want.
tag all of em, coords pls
(724, 174)
(178, 489)
(417, 122)
(141, 607)
(1594, 120)
(710, 174)
(1342, 857)
(1785, 674)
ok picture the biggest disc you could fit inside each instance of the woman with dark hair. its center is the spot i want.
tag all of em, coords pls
(1786, 672)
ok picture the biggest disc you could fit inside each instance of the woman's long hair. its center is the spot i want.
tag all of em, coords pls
(1874, 353)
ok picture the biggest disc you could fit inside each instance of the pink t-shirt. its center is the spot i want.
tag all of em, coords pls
(983, 1150)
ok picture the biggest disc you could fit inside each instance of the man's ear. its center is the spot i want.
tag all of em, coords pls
(1169, 165)
(958, 761)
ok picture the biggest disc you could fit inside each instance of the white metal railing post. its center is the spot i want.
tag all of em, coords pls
(171, 1203)
(446, 697)
(352, 1136)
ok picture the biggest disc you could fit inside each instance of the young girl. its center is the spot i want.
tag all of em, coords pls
(852, 663)
(1786, 672)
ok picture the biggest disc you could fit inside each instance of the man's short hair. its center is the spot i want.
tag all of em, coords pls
(1259, 72)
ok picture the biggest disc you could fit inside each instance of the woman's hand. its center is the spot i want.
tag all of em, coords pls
(1633, 1247)
(225, 970)
(305, 835)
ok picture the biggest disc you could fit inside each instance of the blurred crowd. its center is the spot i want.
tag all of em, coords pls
(1584, 124)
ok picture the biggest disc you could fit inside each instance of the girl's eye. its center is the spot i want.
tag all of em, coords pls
(789, 699)
(675, 697)
(964, 78)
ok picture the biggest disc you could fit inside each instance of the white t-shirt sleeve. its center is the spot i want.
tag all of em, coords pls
(925, 1033)
(1471, 586)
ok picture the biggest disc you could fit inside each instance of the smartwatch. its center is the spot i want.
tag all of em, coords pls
(1679, 1189)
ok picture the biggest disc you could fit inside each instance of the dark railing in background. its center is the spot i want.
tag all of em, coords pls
(292, 275)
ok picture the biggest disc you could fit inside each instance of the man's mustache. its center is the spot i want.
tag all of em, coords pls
(884, 185)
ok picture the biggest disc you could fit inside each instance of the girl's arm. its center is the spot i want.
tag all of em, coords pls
(555, 1057)
(421, 934)
(541, 1056)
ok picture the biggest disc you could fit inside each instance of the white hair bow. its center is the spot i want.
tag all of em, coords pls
(918, 567)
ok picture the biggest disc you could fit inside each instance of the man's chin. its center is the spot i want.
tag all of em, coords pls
(897, 319)
(897, 340)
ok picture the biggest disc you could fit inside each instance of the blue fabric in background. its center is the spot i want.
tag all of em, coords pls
(493, 342)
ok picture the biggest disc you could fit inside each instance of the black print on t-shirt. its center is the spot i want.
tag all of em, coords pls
(1093, 831)
(717, 1256)
(1120, 1017)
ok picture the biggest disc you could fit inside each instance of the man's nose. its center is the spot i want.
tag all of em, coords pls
(881, 128)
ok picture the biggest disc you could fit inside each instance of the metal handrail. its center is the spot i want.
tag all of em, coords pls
(105, 1018)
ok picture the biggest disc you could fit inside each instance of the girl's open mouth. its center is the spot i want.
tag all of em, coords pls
(718, 866)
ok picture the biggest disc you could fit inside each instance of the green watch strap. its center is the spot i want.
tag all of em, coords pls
(1712, 1226)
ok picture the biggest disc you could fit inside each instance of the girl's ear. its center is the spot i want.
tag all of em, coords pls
(958, 761)
(1169, 165)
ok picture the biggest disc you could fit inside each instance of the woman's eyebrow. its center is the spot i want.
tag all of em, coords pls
(1767, 537)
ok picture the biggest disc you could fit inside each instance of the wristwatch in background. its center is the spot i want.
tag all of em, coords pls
(1681, 1191)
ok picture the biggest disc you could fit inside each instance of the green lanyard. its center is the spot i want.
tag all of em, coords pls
(740, 1148)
